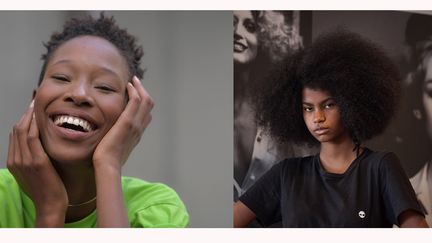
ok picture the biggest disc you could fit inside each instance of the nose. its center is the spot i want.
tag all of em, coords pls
(78, 93)
(319, 116)
(237, 34)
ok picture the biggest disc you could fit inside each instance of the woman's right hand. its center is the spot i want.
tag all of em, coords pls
(35, 174)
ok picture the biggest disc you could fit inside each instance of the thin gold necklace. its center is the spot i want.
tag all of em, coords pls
(81, 204)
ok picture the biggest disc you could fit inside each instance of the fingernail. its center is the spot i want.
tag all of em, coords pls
(136, 79)
(33, 115)
(32, 104)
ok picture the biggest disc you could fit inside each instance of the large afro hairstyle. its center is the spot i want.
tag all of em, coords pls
(356, 72)
(104, 27)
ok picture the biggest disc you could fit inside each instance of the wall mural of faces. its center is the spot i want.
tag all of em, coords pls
(245, 37)
(407, 38)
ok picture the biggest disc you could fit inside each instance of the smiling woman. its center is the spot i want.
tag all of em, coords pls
(66, 153)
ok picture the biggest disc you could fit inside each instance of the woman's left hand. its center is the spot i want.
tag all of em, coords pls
(114, 149)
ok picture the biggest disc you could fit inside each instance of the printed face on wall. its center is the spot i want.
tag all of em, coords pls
(245, 37)
(82, 94)
(322, 116)
(427, 92)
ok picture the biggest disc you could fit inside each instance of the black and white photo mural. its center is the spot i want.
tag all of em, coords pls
(263, 38)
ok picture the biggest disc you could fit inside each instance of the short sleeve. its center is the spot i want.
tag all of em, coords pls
(11, 211)
(162, 215)
(153, 205)
(398, 193)
(264, 197)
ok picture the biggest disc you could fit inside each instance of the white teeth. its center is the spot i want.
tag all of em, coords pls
(76, 122)
(60, 120)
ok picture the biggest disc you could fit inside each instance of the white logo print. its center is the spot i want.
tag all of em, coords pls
(362, 214)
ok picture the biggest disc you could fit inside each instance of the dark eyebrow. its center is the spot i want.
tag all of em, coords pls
(107, 70)
(322, 102)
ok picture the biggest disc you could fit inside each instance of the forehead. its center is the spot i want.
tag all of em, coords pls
(92, 51)
(243, 14)
(315, 95)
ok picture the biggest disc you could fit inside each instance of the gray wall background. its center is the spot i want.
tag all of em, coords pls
(188, 56)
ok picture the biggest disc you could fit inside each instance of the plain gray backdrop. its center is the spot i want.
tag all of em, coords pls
(188, 56)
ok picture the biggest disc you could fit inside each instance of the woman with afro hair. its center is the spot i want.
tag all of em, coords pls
(338, 93)
(66, 154)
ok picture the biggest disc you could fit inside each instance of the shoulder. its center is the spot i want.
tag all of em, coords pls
(153, 204)
(386, 164)
(11, 201)
(291, 167)
(381, 158)
(6, 176)
(7, 182)
(297, 163)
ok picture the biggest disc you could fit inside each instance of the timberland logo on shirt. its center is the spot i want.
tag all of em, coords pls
(362, 214)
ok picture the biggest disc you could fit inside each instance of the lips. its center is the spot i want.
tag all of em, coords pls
(239, 47)
(73, 123)
(321, 130)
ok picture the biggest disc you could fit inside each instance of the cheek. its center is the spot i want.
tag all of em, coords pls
(42, 98)
(427, 103)
(337, 120)
(112, 107)
(307, 118)
(253, 46)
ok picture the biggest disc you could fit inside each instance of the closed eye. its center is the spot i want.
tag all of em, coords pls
(61, 78)
(106, 89)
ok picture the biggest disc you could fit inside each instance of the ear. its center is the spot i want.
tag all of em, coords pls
(34, 94)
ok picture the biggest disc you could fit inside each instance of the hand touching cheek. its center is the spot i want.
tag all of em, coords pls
(113, 151)
(118, 143)
(35, 174)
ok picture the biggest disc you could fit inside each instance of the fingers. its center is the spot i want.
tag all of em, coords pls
(34, 143)
(25, 147)
(146, 103)
(10, 157)
(145, 97)
(134, 101)
(20, 134)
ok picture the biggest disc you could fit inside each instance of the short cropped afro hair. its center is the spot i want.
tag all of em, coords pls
(356, 72)
(104, 27)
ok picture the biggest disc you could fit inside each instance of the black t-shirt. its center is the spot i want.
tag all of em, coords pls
(299, 192)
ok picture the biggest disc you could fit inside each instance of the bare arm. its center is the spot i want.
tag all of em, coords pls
(412, 219)
(242, 215)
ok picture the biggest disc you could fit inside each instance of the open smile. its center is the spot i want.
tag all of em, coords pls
(72, 127)
(239, 47)
(73, 123)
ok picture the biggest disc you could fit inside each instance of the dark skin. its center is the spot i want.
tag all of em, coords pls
(85, 79)
(322, 117)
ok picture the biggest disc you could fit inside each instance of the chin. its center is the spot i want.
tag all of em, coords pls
(240, 58)
(70, 156)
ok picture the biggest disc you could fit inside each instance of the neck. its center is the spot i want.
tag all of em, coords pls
(79, 181)
(337, 156)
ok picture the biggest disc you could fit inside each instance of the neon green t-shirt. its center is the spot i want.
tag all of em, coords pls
(151, 205)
